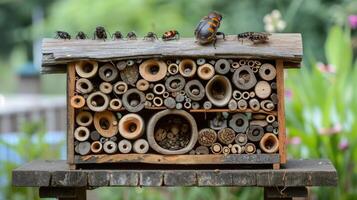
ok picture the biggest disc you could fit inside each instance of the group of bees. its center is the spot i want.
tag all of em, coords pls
(206, 32)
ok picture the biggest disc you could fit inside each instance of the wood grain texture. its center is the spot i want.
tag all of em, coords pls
(281, 110)
(295, 173)
(70, 113)
(179, 159)
(57, 53)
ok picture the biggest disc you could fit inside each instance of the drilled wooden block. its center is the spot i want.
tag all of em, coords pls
(180, 178)
(124, 178)
(151, 178)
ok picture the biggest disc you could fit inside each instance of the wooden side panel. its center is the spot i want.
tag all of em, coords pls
(281, 110)
(70, 113)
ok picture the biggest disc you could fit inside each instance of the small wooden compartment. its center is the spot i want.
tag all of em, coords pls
(174, 102)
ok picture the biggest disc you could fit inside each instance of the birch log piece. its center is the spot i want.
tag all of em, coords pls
(232, 105)
(84, 118)
(96, 147)
(83, 148)
(206, 137)
(115, 104)
(97, 101)
(269, 143)
(170, 102)
(153, 125)
(120, 87)
(226, 135)
(130, 75)
(106, 123)
(78, 101)
(133, 100)
(267, 72)
(124, 146)
(219, 90)
(239, 122)
(131, 126)
(142, 85)
(244, 78)
(81, 133)
(106, 87)
(250, 148)
(262, 89)
(173, 69)
(241, 139)
(222, 66)
(195, 90)
(108, 72)
(187, 68)
(110, 147)
(205, 72)
(255, 133)
(216, 148)
(86, 69)
(141, 146)
(84, 86)
(202, 150)
(175, 83)
(153, 70)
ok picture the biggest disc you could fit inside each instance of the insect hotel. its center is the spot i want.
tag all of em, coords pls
(174, 102)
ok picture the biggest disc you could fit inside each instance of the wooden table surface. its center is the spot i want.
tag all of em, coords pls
(55, 173)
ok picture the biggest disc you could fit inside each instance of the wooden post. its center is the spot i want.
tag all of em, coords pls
(70, 115)
(281, 110)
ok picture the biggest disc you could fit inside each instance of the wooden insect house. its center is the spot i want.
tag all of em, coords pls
(174, 102)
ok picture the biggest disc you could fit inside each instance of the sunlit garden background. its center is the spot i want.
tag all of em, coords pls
(321, 105)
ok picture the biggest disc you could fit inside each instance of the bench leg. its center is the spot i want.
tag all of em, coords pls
(281, 193)
(63, 193)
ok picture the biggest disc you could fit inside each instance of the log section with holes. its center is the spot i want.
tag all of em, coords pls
(175, 102)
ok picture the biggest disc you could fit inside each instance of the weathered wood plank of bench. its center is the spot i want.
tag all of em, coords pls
(295, 173)
(56, 54)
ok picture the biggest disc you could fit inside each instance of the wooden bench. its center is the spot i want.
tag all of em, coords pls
(55, 179)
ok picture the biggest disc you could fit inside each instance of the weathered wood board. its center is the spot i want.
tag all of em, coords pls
(295, 173)
(58, 53)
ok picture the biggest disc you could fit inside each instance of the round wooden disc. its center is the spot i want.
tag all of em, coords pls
(106, 123)
(262, 89)
(153, 70)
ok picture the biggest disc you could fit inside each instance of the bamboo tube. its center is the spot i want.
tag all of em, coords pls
(166, 94)
(159, 89)
(103, 140)
(141, 146)
(250, 148)
(120, 87)
(133, 100)
(130, 62)
(142, 85)
(106, 87)
(201, 61)
(187, 105)
(170, 103)
(222, 66)
(237, 95)
(78, 101)
(131, 126)
(81, 133)
(270, 118)
(242, 104)
(206, 137)
(149, 96)
(269, 143)
(276, 131)
(97, 101)
(84, 86)
(216, 148)
(226, 135)
(195, 90)
(152, 125)
(173, 69)
(255, 133)
(157, 101)
(205, 72)
(226, 150)
(239, 122)
(202, 150)
(124, 146)
(245, 95)
(180, 98)
(241, 139)
(153, 70)
(235, 65)
(106, 123)
(251, 94)
(267, 72)
(110, 147)
(96, 147)
(219, 90)
(130, 75)
(254, 104)
(232, 105)
(187, 68)
(236, 149)
(83, 148)
(115, 104)
(86, 69)
(84, 118)
(267, 105)
(175, 83)
(108, 72)
(262, 89)
(244, 78)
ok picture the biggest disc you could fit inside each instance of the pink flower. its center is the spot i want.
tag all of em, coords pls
(343, 145)
(337, 128)
(296, 140)
(288, 94)
(352, 19)
(328, 69)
